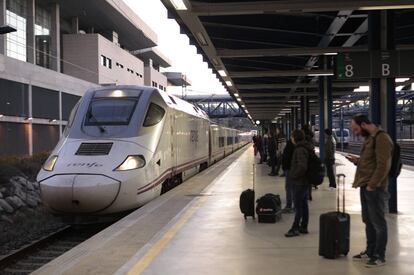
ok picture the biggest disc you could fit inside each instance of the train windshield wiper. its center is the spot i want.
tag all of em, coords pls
(91, 116)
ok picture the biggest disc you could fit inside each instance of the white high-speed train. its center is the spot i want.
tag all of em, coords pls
(125, 145)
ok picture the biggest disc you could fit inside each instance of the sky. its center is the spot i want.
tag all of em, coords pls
(176, 48)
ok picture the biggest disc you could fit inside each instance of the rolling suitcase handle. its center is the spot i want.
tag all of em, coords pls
(339, 176)
(254, 172)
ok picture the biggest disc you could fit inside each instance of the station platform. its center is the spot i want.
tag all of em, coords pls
(197, 228)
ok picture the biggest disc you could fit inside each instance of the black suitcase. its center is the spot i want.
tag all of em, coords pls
(247, 200)
(268, 208)
(335, 229)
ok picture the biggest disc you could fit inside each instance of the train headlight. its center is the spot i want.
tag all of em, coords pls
(131, 162)
(50, 163)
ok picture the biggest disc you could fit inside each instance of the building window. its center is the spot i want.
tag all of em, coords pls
(119, 65)
(154, 84)
(106, 62)
(16, 17)
(43, 25)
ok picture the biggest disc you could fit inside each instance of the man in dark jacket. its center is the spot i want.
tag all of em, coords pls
(286, 162)
(330, 157)
(309, 137)
(298, 177)
(272, 152)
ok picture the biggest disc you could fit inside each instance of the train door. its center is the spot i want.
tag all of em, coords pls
(173, 140)
(210, 145)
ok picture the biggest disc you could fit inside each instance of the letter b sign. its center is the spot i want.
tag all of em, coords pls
(386, 69)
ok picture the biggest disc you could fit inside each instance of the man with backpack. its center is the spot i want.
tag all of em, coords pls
(298, 176)
(373, 168)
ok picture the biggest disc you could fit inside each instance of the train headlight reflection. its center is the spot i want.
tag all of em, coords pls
(50, 163)
(131, 162)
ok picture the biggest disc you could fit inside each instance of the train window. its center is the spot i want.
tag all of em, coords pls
(221, 142)
(229, 140)
(154, 115)
(110, 111)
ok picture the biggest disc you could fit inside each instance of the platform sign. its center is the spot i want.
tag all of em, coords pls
(384, 64)
(374, 64)
(353, 65)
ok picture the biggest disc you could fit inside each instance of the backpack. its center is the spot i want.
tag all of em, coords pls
(396, 164)
(316, 169)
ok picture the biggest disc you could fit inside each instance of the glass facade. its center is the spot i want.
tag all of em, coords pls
(16, 17)
(43, 24)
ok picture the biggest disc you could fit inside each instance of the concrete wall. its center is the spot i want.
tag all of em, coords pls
(151, 75)
(82, 53)
(23, 72)
(81, 56)
(132, 72)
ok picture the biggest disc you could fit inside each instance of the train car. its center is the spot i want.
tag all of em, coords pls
(125, 145)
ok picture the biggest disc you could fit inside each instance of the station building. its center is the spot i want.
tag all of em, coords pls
(60, 49)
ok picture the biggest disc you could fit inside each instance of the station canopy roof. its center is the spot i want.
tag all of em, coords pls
(270, 53)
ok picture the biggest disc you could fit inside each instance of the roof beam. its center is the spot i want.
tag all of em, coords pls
(281, 73)
(306, 51)
(251, 28)
(262, 7)
(298, 85)
(245, 96)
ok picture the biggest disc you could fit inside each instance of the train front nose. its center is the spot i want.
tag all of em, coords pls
(79, 193)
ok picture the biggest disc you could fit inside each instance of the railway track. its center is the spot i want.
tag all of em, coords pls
(35, 255)
(407, 151)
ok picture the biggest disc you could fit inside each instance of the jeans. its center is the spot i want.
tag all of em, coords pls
(373, 215)
(329, 164)
(289, 190)
(273, 163)
(301, 207)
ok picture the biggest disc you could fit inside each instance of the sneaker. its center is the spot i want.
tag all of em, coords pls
(303, 231)
(361, 256)
(374, 262)
(292, 233)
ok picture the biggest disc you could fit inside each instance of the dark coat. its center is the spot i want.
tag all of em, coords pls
(299, 165)
(287, 155)
(272, 146)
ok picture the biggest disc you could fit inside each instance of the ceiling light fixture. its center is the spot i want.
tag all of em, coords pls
(228, 83)
(178, 4)
(320, 74)
(201, 39)
(222, 73)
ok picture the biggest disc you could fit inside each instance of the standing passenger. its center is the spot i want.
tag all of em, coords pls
(272, 152)
(286, 162)
(371, 177)
(330, 148)
(298, 176)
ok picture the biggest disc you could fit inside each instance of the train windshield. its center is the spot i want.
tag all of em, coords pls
(110, 111)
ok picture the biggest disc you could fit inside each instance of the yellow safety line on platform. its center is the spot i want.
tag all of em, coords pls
(146, 260)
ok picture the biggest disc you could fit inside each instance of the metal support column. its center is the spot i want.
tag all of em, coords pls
(302, 111)
(55, 45)
(30, 34)
(381, 32)
(3, 38)
(325, 107)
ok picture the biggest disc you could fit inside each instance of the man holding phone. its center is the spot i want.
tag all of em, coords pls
(373, 167)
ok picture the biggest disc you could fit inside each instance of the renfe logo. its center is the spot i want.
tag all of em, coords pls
(84, 164)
